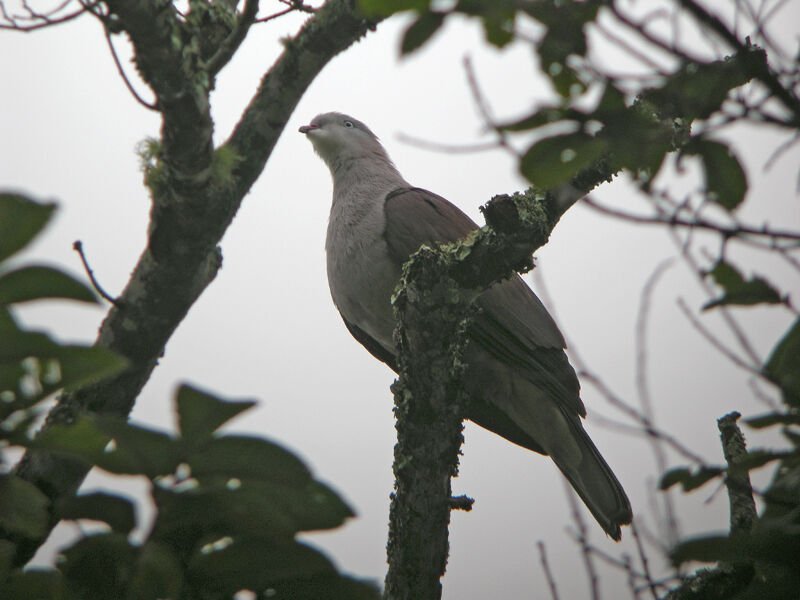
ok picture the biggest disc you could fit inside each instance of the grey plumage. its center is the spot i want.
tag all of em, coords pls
(521, 384)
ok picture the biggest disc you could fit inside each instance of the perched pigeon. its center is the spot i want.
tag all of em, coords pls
(520, 382)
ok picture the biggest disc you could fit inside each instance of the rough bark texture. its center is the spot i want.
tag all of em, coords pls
(194, 200)
(740, 491)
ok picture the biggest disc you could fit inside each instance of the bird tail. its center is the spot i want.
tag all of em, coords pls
(595, 483)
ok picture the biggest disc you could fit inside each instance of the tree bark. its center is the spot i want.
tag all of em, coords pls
(194, 200)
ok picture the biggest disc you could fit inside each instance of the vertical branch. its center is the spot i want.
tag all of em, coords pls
(431, 336)
(551, 582)
(740, 492)
(583, 540)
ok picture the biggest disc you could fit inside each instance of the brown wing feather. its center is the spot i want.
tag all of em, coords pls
(513, 325)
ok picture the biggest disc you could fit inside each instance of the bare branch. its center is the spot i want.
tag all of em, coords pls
(698, 223)
(37, 20)
(640, 343)
(229, 46)
(583, 539)
(643, 558)
(121, 71)
(447, 148)
(551, 582)
(78, 247)
(740, 492)
(714, 341)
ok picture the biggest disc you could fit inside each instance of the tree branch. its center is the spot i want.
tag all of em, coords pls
(229, 46)
(188, 219)
(740, 492)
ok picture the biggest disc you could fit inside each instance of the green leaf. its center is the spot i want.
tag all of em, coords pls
(23, 507)
(248, 508)
(329, 586)
(543, 116)
(7, 551)
(36, 282)
(689, 480)
(739, 291)
(774, 418)
(81, 365)
(82, 439)
(420, 31)
(138, 450)
(49, 366)
(158, 574)
(99, 566)
(256, 565)
(115, 510)
(757, 458)
(781, 367)
(707, 549)
(556, 160)
(35, 584)
(698, 90)
(200, 414)
(20, 220)
(246, 457)
(389, 7)
(187, 517)
(498, 32)
(775, 541)
(726, 181)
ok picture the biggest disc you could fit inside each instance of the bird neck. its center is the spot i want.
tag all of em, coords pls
(365, 179)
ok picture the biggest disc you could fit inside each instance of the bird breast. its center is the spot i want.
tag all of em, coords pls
(361, 274)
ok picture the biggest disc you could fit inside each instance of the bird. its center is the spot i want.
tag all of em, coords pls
(519, 382)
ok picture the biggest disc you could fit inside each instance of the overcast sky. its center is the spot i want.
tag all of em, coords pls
(266, 327)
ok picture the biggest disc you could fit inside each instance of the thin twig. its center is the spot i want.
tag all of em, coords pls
(44, 19)
(583, 540)
(626, 559)
(121, 71)
(695, 224)
(551, 582)
(483, 107)
(640, 429)
(645, 425)
(231, 43)
(640, 343)
(714, 341)
(462, 502)
(447, 148)
(643, 558)
(78, 247)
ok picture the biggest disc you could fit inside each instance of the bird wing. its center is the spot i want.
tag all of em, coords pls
(513, 325)
(371, 344)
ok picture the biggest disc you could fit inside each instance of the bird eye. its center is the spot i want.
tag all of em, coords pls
(349, 124)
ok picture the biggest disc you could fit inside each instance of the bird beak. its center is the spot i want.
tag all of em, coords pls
(308, 128)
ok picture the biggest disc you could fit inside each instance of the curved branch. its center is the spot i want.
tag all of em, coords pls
(188, 220)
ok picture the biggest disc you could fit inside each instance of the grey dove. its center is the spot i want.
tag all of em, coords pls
(520, 383)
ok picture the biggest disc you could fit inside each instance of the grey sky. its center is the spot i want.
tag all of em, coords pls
(266, 328)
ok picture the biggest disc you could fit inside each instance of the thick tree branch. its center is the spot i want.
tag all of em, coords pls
(195, 196)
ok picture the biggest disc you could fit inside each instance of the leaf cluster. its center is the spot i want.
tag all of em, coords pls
(228, 507)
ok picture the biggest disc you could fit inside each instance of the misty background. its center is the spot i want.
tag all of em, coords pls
(267, 329)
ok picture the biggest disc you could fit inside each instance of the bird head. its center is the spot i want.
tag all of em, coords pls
(339, 138)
